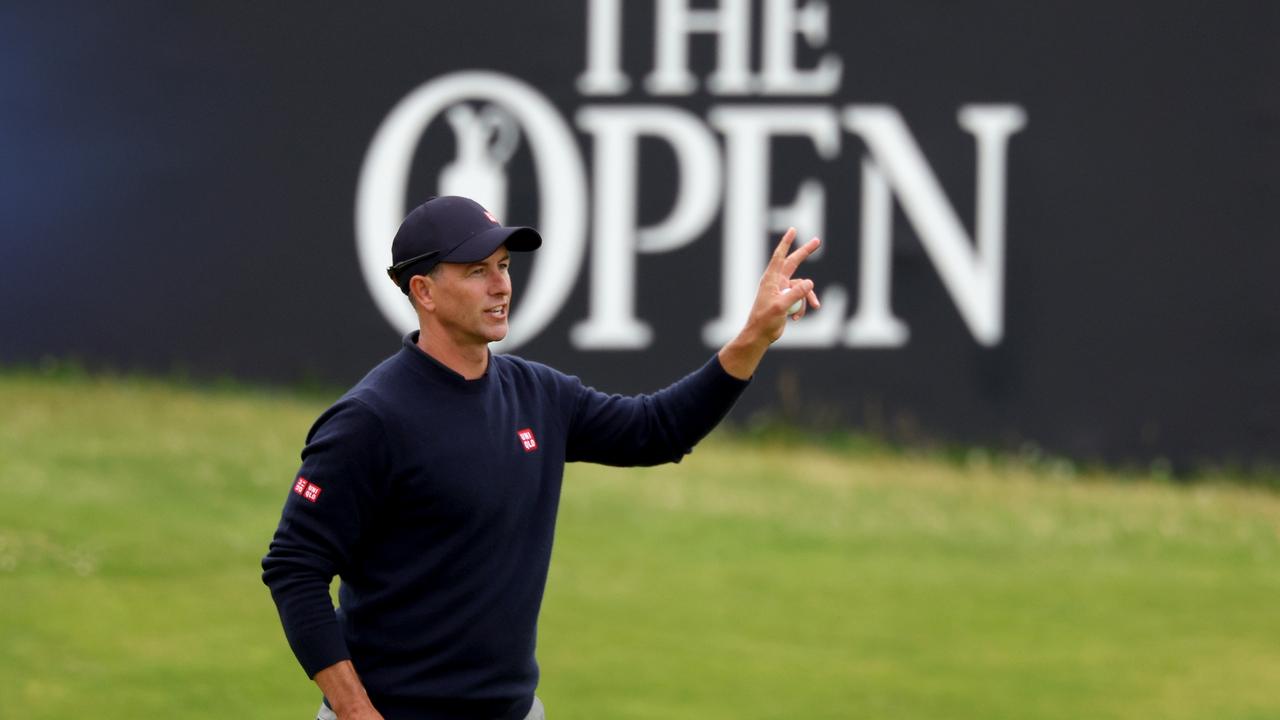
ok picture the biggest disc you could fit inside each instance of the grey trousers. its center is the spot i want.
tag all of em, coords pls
(536, 712)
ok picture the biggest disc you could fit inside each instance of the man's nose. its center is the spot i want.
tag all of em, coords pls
(500, 283)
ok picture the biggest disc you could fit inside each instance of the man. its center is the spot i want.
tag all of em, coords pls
(431, 487)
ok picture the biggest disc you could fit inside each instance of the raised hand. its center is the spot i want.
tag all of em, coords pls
(777, 293)
(779, 290)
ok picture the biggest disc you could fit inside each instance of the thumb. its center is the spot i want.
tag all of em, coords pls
(792, 298)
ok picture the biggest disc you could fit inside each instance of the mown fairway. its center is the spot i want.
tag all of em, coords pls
(746, 582)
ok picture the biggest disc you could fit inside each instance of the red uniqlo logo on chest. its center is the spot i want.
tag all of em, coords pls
(527, 439)
(307, 489)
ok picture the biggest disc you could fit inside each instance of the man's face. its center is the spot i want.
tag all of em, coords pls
(472, 300)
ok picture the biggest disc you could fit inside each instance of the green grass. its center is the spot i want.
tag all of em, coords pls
(750, 581)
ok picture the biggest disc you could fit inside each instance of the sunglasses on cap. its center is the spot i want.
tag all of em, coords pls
(394, 271)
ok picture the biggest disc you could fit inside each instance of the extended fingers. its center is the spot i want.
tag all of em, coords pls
(784, 247)
(793, 260)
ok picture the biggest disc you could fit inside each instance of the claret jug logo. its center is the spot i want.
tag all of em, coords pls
(723, 162)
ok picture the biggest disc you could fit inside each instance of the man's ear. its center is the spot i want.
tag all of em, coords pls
(422, 288)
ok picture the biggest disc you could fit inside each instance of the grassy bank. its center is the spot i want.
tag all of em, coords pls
(749, 581)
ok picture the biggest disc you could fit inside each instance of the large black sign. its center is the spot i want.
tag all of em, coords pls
(1043, 224)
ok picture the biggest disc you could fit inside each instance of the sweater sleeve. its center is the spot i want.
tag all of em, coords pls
(650, 429)
(330, 500)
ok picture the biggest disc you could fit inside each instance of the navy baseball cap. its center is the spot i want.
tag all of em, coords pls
(451, 229)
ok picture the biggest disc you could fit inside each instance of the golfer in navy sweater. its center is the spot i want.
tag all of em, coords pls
(431, 487)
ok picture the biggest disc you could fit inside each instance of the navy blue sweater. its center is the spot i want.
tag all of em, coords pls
(434, 499)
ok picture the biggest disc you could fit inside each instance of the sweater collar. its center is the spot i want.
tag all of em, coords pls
(436, 371)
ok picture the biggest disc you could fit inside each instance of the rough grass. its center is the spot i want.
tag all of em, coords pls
(750, 581)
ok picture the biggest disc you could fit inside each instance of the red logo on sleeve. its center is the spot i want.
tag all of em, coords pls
(307, 489)
(527, 439)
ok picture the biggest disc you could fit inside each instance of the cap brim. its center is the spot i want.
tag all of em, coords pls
(482, 245)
